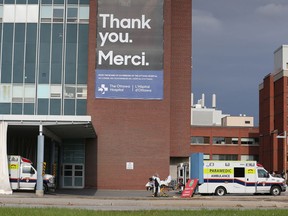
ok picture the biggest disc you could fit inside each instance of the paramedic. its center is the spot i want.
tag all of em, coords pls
(156, 184)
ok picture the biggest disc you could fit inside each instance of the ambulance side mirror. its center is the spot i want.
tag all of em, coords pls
(266, 175)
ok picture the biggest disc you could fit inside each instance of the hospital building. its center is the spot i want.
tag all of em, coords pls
(106, 82)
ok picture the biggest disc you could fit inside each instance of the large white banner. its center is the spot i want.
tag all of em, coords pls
(5, 187)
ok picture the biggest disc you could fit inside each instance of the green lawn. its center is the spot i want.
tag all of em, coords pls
(75, 212)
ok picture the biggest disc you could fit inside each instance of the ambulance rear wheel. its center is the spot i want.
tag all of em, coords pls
(220, 191)
(275, 190)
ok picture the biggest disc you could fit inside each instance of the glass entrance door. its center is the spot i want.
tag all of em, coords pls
(73, 176)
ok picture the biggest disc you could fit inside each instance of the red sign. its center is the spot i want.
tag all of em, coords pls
(189, 188)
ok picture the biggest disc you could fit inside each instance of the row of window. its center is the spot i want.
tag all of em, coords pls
(23, 54)
(44, 1)
(48, 13)
(224, 140)
(231, 157)
(57, 13)
(46, 107)
(29, 93)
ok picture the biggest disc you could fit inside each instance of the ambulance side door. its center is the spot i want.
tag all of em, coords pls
(250, 178)
(262, 178)
(27, 177)
(239, 180)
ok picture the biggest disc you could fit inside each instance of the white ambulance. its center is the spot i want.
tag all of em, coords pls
(23, 176)
(222, 177)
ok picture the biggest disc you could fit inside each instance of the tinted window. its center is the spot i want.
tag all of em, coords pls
(42, 107)
(239, 172)
(55, 107)
(69, 107)
(28, 109)
(81, 107)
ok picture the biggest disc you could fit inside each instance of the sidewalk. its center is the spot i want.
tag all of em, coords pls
(94, 194)
(113, 194)
(139, 200)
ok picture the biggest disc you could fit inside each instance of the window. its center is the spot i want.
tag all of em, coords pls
(20, 1)
(17, 108)
(239, 172)
(234, 140)
(26, 169)
(72, 14)
(46, 13)
(56, 91)
(81, 92)
(29, 93)
(249, 141)
(225, 140)
(29, 108)
(224, 157)
(5, 93)
(55, 107)
(200, 140)
(84, 14)
(5, 108)
(1, 13)
(69, 106)
(18, 93)
(70, 91)
(218, 140)
(43, 106)
(262, 173)
(249, 158)
(72, 1)
(43, 91)
(81, 107)
(8, 17)
(32, 1)
(58, 14)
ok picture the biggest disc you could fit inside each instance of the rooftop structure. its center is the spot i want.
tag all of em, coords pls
(203, 116)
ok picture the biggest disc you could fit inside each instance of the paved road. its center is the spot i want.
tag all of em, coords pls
(140, 200)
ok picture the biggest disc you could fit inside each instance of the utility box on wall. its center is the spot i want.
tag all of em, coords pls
(196, 167)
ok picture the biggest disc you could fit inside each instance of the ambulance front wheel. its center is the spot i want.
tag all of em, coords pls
(220, 191)
(275, 190)
(45, 188)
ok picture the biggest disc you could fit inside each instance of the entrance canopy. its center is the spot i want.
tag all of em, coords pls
(56, 127)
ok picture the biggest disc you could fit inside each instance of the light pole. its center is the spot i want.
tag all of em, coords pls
(284, 136)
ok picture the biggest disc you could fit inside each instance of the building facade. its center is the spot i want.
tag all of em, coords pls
(273, 114)
(136, 138)
(226, 143)
(44, 53)
(219, 136)
(59, 62)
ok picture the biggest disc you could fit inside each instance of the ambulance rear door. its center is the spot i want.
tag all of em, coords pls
(14, 172)
(239, 183)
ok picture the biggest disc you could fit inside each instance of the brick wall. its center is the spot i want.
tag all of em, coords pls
(142, 131)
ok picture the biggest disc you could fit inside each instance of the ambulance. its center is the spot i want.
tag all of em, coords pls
(23, 176)
(223, 177)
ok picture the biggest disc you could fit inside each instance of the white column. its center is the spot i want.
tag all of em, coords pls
(5, 187)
